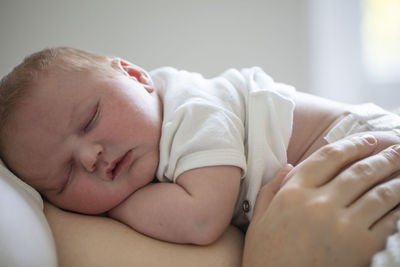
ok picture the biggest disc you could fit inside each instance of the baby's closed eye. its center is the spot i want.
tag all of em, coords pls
(92, 118)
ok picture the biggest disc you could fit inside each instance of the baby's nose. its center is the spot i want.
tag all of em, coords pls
(90, 157)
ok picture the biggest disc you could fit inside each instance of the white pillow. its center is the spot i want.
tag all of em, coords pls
(25, 236)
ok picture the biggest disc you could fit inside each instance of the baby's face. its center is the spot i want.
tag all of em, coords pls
(86, 142)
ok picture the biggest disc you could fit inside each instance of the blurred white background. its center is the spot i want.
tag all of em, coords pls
(348, 50)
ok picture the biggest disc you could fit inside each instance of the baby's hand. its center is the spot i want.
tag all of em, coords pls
(271, 188)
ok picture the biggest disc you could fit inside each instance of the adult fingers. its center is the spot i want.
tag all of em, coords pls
(363, 175)
(376, 203)
(268, 191)
(325, 163)
(385, 227)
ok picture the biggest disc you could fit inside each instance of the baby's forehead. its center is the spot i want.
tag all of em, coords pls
(60, 86)
(39, 115)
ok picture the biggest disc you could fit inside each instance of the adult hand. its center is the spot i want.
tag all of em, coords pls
(326, 214)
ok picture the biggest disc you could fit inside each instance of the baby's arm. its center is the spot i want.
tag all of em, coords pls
(197, 209)
(313, 118)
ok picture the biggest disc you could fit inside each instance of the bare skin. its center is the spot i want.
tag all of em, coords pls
(94, 241)
(343, 222)
(103, 136)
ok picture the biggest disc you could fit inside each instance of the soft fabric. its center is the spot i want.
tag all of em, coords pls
(240, 118)
(390, 256)
(362, 118)
(25, 236)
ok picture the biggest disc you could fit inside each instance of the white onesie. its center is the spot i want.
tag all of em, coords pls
(240, 118)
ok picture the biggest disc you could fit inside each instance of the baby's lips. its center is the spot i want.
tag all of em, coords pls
(121, 163)
(110, 170)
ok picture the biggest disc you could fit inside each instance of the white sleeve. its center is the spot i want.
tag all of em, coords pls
(200, 135)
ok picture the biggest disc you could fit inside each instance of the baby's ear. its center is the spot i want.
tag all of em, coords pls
(135, 72)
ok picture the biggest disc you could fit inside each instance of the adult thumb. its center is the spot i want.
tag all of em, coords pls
(269, 190)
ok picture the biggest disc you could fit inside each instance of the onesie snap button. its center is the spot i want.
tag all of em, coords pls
(246, 206)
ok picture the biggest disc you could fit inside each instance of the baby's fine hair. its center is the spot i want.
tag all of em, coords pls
(59, 60)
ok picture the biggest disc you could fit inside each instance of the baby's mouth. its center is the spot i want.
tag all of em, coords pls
(119, 165)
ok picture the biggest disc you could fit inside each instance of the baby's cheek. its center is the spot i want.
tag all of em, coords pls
(85, 197)
(96, 200)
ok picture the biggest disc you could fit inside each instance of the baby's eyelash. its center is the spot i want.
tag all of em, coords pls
(92, 119)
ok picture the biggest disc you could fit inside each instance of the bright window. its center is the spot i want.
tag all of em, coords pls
(381, 39)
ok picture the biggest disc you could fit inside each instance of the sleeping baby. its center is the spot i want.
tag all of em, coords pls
(172, 154)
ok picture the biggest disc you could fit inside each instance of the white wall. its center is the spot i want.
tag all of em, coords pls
(207, 36)
(336, 64)
(335, 54)
(311, 44)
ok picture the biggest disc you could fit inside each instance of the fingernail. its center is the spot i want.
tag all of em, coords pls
(396, 148)
(370, 139)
